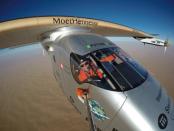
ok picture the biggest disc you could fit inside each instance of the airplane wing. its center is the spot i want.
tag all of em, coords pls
(28, 30)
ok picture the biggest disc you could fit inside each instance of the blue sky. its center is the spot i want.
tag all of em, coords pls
(152, 16)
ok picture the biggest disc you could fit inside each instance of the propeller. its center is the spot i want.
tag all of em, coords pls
(166, 44)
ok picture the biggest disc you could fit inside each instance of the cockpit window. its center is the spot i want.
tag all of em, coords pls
(85, 70)
(108, 68)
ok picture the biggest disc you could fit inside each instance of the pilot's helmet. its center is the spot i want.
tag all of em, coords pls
(85, 65)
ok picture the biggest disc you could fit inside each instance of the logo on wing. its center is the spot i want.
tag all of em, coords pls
(74, 21)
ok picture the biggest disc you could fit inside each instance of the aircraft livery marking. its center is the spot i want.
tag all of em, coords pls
(73, 21)
(97, 110)
(162, 121)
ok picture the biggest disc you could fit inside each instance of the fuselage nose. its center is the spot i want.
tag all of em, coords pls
(148, 107)
(145, 109)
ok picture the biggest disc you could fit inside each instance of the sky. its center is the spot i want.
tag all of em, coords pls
(151, 16)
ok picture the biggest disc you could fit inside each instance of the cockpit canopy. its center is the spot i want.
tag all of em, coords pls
(108, 68)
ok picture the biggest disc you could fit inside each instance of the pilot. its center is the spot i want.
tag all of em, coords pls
(89, 70)
(84, 71)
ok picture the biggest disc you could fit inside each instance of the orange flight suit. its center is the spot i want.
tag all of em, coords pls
(108, 58)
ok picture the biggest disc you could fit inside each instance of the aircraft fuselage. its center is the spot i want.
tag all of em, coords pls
(123, 96)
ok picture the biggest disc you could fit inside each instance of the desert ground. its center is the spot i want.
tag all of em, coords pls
(30, 99)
